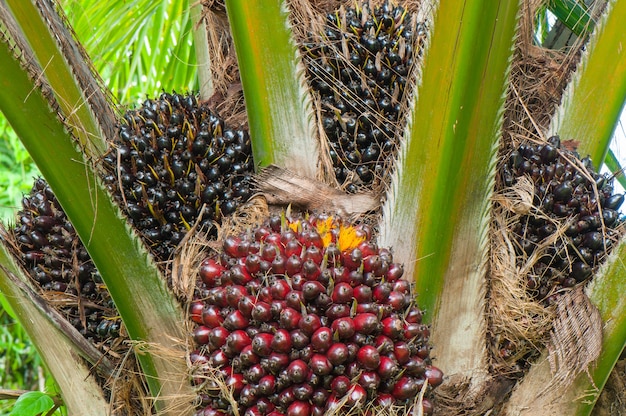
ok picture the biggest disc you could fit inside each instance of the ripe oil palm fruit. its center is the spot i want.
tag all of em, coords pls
(435, 214)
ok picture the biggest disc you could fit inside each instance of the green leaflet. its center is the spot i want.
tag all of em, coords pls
(276, 101)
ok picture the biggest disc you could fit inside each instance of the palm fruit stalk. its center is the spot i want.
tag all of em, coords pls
(567, 190)
(305, 316)
(360, 67)
(50, 251)
(173, 162)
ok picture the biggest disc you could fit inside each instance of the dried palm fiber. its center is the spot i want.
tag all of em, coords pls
(242, 233)
(361, 82)
(67, 282)
(517, 322)
(227, 98)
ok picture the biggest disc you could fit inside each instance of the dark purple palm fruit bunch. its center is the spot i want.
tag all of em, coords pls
(303, 316)
(359, 70)
(566, 189)
(173, 161)
(52, 254)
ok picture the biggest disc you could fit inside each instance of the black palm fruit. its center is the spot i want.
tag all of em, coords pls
(173, 161)
(304, 315)
(57, 261)
(567, 190)
(360, 70)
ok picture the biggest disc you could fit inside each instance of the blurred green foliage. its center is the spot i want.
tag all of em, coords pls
(17, 171)
(139, 47)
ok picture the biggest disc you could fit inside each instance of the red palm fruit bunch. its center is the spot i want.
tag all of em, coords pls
(306, 316)
(50, 251)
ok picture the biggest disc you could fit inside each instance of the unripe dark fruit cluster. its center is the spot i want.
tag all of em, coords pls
(172, 161)
(360, 70)
(566, 188)
(300, 314)
(53, 255)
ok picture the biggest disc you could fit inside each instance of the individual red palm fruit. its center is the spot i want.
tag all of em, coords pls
(385, 400)
(369, 380)
(369, 357)
(281, 341)
(293, 265)
(342, 293)
(357, 396)
(201, 335)
(246, 305)
(402, 286)
(262, 312)
(294, 299)
(298, 371)
(413, 316)
(269, 251)
(248, 357)
(299, 408)
(262, 344)
(363, 294)
(405, 388)
(352, 259)
(279, 289)
(393, 327)
(289, 318)
(303, 391)
(276, 362)
(254, 374)
(234, 293)
(235, 320)
(434, 375)
(266, 385)
(366, 323)
(311, 290)
(309, 323)
(236, 382)
(337, 353)
(311, 270)
(322, 339)
(343, 327)
(415, 366)
(313, 253)
(394, 272)
(337, 311)
(402, 352)
(387, 368)
(231, 246)
(293, 248)
(238, 340)
(253, 263)
(340, 385)
(320, 365)
(210, 271)
(195, 311)
(240, 275)
(217, 337)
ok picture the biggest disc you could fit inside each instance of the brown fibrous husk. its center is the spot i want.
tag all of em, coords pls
(514, 316)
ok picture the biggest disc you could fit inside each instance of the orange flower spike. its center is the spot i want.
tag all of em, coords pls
(348, 238)
(295, 226)
(324, 229)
